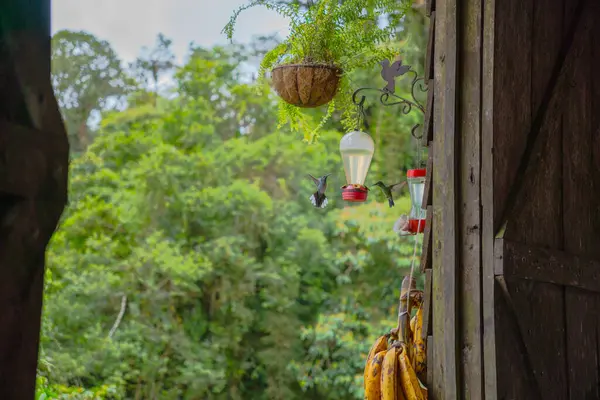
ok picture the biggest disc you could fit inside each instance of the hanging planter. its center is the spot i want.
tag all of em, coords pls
(306, 85)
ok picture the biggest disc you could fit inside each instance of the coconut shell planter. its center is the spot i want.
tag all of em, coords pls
(306, 85)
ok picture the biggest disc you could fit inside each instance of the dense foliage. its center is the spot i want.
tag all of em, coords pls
(190, 263)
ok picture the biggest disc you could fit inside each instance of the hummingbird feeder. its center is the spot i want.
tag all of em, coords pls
(357, 150)
(416, 188)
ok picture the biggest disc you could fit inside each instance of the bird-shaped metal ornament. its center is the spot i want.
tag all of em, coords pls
(389, 73)
(387, 190)
(318, 198)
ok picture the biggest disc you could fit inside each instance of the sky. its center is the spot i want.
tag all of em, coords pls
(130, 24)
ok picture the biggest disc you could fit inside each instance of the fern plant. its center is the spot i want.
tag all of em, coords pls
(347, 34)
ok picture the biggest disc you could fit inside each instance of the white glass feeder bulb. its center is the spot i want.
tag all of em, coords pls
(357, 150)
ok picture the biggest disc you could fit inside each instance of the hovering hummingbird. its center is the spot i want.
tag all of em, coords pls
(387, 190)
(318, 199)
(390, 72)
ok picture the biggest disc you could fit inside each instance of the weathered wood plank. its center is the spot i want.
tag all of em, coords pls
(542, 264)
(544, 206)
(429, 53)
(435, 364)
(488, 283)
(469, 216)
(580, 232)
(445, 265)
(582, 356)
(540, 312)
(428, 119)
(427, 305)
(528, 162)
(428, 189)
(514, 362)
(512, 99)
(430, 360)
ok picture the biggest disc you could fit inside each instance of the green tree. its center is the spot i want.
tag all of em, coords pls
(87, 77)
(154, 62)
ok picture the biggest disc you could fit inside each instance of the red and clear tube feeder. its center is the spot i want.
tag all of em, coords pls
(416, 188)
(357, 150)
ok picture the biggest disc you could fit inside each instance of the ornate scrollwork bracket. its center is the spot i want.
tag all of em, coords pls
(387, 96)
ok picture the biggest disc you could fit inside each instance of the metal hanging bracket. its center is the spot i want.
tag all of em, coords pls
(387, 96)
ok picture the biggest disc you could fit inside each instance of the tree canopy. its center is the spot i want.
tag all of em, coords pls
(190, 263)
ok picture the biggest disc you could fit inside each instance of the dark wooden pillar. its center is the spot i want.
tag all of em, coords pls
(33, 185)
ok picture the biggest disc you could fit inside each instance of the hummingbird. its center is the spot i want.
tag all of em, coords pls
(390, 72)
(318, 198)
(387, 190)
(401, 225)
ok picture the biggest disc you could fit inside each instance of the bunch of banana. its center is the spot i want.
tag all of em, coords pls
(389, 374)
(396, 359)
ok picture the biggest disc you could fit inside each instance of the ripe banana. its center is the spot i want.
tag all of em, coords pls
(390, 384)
(408, 378)
(419, 360)
(381, 344)
(373, 377)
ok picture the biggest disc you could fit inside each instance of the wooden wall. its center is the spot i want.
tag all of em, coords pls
(547, 193)
(516, 199)
(33, 185)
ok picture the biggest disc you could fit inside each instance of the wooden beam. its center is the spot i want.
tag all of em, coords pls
(530, 262)
(33, 143)
(469, 206)
(580, 200)
(488, 284)
(427, 253)
(445, 188)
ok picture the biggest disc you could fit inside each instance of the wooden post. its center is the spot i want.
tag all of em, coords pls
(33, 186)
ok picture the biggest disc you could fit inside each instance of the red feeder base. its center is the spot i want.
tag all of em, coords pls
(416, 225)
(355, 193)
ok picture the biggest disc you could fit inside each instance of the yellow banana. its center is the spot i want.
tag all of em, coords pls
(379, 345)
(390, 384)
(373, 377)
(413, 322)
(419, 360)
(408, 379)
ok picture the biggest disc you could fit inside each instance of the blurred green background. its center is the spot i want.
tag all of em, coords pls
(190, 263)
